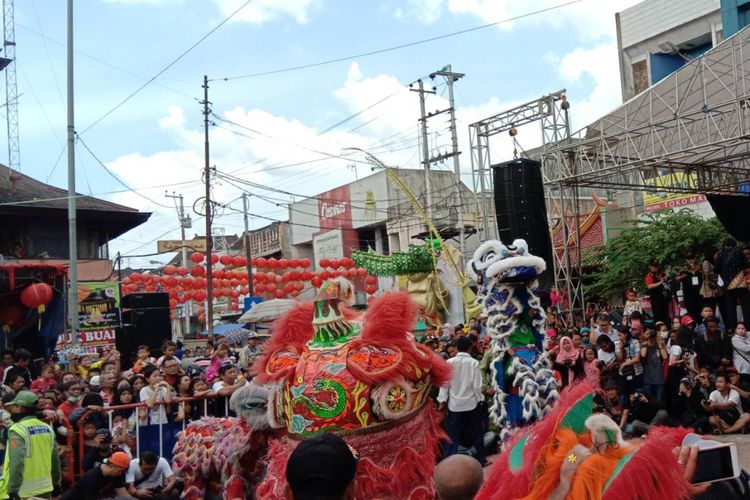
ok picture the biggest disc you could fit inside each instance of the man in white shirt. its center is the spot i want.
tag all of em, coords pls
(463, 395)
(151, 477)
(230, 379)
(604, 327)
(725, 403)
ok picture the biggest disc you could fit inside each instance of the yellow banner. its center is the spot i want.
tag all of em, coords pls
(655, 201)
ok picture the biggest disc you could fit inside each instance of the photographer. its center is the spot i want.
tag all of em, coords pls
(653, 355)
(644, 414)
(151, 477)
(689, 409)
(103, 449)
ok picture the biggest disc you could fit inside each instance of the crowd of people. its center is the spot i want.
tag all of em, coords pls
(682, 358)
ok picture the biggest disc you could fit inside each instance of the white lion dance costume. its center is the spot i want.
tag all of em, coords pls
(524, 384)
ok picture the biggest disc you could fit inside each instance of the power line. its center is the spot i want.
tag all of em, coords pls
(163, 70)
(397, 47)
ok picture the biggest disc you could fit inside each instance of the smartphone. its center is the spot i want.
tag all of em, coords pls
(716, 463)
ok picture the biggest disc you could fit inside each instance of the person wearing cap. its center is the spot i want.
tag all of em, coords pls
(104, 480)
(250, 352)
(150, 476)
(31, 467)
(321, 467)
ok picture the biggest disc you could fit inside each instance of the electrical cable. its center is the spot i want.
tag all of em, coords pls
(397, 47)
(165, 68)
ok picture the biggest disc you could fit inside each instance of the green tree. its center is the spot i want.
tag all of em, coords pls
(665, 236)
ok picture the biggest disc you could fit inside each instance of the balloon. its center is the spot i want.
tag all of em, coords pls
(169, 270)
(225, 260)
(197, 257)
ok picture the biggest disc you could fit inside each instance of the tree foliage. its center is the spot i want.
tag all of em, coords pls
(665, 236)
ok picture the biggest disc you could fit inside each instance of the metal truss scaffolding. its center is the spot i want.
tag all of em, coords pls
(691, 131)
(552, 112)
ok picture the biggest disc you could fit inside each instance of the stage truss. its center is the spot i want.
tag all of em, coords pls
(690, 130)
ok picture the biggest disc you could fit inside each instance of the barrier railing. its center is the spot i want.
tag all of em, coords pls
(157, 437)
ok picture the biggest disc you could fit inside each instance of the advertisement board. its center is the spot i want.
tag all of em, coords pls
(335, 209)
(655, 201)
(98, 314)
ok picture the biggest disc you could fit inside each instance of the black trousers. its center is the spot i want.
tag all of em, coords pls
(732, 297)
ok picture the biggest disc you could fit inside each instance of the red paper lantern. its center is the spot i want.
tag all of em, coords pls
(135, 277)
(260, 288)
(261, 262)
(36, 296)
(293, 262)
(324, 263)
(272, 263)
(316, 281)
(214, 258)
(346, 262)
(198, 271)
(169, 270)
(283, 263)
(225, 260)
(371, 280)
(218, 274)
(304, 263)
(197, 257)
(361, 271)
(182, 270)
(202, 318)
(239, 261)
(371, 290)
(280, 294)
(271, 287)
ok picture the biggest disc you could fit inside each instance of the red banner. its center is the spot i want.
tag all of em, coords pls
(335, 209)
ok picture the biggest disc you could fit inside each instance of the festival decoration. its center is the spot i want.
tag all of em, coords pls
(197, 257)
(418, 259)
(525, 388)
(36, 296)
(575, 453)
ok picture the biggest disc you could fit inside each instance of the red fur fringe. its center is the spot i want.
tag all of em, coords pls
(290, 332)
(518, 484)
(407, 474)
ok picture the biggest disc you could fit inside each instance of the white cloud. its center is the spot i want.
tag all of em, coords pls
(139, 2)
(260, 11)
(590, 20)
(600, 65)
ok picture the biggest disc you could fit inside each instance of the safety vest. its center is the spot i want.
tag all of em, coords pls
(37, 467)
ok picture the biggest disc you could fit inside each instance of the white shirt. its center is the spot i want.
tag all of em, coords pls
(741, 357)
(607, 357)
(464, 391)
(733, 397)
(157, 414)
(158, 478)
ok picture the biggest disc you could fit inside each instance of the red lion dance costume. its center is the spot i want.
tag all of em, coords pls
(362, 378)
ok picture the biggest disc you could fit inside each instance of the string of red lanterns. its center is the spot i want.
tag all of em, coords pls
(272, 277)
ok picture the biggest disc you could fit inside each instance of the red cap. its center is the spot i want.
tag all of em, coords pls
(119, 459)
(687, 320)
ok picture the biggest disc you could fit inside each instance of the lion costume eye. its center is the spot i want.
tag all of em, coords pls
(522, 248)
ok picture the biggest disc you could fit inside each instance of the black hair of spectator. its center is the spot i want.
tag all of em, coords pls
(712, 319)
(149, 457)
(92, 399)
(321, 467)
(636, 315)
(472, 337)
(143, 348)
(225, 367)
(70, 383)
(21, 355)
(7, 351)
(603, 340)
(148, 371)
(654, 263)
(463, 344)
(168, 343)
(179, 344)
(685, 338)
(722, 375)
(730, 243)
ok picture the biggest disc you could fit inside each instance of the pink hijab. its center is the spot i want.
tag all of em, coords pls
(567, 351)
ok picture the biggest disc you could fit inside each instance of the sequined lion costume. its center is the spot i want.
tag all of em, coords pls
(363, 378)
(522, 376)
(573, 453)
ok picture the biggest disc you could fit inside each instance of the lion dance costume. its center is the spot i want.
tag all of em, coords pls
(364, 378)
(522, 376)
(574, 454)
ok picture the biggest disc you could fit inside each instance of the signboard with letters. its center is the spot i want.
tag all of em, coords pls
(655, 201)
(176, 245)
(98, 314)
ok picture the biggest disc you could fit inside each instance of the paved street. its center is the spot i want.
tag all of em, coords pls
(743, 447)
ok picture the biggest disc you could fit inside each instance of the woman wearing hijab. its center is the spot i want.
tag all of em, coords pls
(568, 361)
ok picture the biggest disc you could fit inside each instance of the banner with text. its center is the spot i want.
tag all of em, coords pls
(656, 201)
(98, 314)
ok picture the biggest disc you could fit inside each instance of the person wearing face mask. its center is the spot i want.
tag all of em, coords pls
(31, 467)
(72, 391)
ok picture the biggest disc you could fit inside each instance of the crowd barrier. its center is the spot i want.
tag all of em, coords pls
(157, 437)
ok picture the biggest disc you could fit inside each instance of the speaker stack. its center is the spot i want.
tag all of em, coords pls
(520, 210)
(145, 321)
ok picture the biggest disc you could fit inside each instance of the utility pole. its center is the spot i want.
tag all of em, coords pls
(425, 146)
(248, 249)
(450, 78)
(72, 229)
(209, 215)
(185, 223)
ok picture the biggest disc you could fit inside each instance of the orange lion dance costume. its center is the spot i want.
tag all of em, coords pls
(362, 378)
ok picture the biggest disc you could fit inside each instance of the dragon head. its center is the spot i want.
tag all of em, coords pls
(495, 262)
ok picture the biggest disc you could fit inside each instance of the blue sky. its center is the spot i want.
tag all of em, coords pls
(155, 139)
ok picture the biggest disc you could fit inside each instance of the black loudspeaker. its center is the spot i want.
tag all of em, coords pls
(520, 210)
(732, 210)
(144, 300)
(150, 334)
(139, 316)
